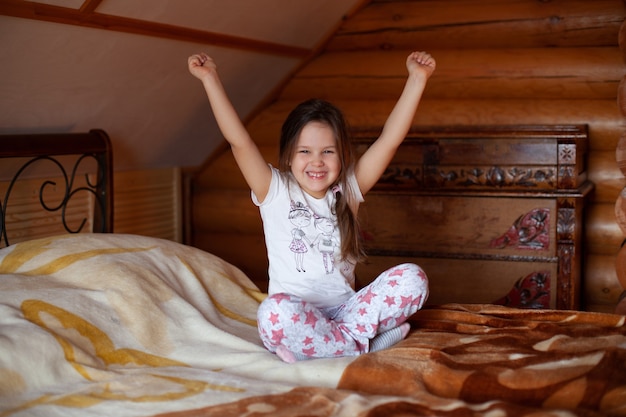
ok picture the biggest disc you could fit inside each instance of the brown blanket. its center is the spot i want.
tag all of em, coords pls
(533, 358)
(473, 360)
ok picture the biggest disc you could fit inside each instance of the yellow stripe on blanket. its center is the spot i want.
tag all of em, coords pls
(22, 253)
(67, 260)
(254, 294)
(101, 393)
(25, 251)
(229, 313)
(102, 345)
(105, 354)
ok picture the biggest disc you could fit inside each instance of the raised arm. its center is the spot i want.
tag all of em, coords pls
(253, 166)
(375, 160)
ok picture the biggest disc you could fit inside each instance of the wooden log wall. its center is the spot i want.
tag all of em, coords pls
(506, 62)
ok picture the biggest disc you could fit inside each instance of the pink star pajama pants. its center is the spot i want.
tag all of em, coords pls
(346, 329)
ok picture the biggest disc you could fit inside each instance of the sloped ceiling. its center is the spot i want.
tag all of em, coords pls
(120, 65)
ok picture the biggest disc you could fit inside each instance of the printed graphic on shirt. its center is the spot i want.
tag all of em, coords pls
(326, 242)
(300, 217)
(321, 236)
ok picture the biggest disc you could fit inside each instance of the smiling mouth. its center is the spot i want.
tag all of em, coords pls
(316, 175)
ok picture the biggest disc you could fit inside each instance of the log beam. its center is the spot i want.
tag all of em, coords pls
(575, 73)
(475, 24)
(606, 125)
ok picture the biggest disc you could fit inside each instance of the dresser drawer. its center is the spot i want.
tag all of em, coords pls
(459, 224)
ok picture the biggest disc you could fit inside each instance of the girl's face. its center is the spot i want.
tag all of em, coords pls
(315, 163)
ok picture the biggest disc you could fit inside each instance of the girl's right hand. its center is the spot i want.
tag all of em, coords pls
(201, 65)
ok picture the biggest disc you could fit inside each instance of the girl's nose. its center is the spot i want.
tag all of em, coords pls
(317, 160)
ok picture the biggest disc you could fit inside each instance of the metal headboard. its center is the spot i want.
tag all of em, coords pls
(94, 145)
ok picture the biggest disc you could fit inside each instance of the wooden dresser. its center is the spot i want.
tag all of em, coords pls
(493, 214)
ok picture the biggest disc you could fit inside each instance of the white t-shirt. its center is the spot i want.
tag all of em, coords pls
(303, 243)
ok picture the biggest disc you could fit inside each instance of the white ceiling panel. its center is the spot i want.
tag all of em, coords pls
(60, 78)
(292, 22)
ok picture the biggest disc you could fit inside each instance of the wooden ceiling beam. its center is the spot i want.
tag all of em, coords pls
(90, 6)
(85, 17)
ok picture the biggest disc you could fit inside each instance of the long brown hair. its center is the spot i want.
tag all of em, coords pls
(346, 204)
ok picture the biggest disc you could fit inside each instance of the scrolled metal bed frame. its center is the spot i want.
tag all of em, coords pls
(94, 145)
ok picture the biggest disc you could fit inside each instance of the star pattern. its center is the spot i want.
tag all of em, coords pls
(338, 334)
(278, 336)
(311, 318)
(390, 301)
(300, 326)
(418, 301)
(401, 319)
(367, 297)
(406, 301)
(385, 322)
(280, 297)
(397, 272)
(310, 352)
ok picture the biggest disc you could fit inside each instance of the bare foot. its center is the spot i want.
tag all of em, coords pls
(405, 328)
(285, 354)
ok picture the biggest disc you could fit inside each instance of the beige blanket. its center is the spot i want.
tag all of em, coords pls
(121, 325)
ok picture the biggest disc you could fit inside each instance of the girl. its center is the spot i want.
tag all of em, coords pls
(312, 309)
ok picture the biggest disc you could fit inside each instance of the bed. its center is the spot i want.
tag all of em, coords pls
(95, 323)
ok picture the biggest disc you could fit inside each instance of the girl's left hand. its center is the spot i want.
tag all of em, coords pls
(421, 62)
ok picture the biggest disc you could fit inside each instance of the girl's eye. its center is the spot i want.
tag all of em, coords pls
(329, 151)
